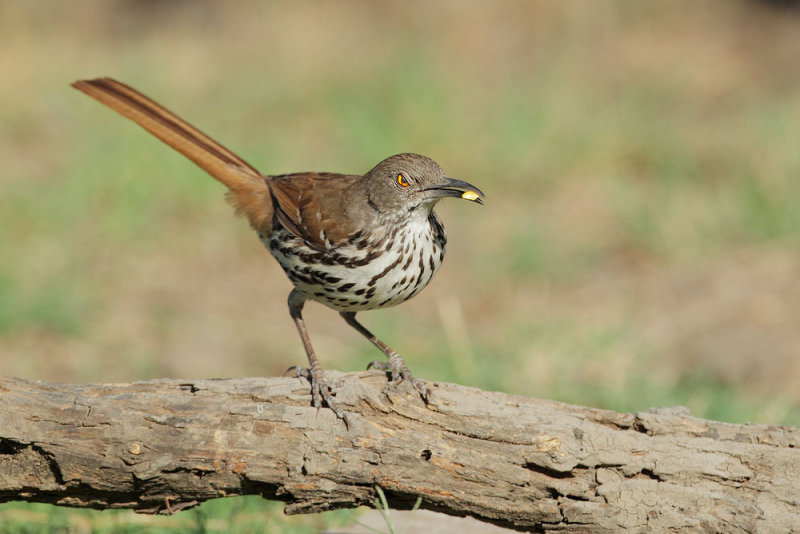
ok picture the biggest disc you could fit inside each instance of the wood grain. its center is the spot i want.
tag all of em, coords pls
(165, 445)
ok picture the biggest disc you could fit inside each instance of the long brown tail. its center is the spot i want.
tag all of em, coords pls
(248, 191)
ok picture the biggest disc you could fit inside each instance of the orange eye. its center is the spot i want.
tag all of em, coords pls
(402, 181)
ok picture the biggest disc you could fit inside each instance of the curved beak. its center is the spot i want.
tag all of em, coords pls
(450, 187)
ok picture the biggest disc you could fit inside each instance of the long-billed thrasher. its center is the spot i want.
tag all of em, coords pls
(350, 242)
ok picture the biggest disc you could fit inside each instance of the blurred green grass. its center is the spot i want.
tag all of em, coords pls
(236, 515)
(639, 246)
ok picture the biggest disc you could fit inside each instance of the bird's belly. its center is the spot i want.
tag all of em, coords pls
(348, 278)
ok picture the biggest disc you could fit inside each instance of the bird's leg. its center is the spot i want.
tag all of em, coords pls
(395, 365)
(320, 390)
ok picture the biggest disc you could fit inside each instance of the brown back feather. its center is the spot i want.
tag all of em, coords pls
(310, 206)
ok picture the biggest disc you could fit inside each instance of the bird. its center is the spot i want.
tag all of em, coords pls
(350, 242)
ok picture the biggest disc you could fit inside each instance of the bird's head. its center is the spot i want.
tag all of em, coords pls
(408, 182)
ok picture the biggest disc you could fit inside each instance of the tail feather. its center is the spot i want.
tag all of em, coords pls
(248, 191)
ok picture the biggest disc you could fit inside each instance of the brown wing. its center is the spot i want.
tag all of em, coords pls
(248, 191)
(310, 206)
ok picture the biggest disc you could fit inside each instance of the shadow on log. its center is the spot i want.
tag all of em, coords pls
(166, 445)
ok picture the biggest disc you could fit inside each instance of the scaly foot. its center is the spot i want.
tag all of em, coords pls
(399, 371)
(320, 390)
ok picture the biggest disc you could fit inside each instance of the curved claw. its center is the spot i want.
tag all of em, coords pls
(299, 371)
(320, 391)
(386, 366)
(399, 372)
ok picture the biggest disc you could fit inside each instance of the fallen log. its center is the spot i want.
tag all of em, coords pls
(166, 445)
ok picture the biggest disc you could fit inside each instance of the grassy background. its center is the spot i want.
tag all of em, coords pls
(639, 246)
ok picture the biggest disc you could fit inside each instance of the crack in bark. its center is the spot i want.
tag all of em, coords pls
(52, 463)
(190, 387)
(531, 465)
(549, 471)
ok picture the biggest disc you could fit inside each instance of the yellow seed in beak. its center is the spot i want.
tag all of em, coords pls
(469, 195)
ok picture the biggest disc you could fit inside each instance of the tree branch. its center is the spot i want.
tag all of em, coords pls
(166, 445)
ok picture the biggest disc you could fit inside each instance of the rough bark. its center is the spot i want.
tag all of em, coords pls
(165, 445)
